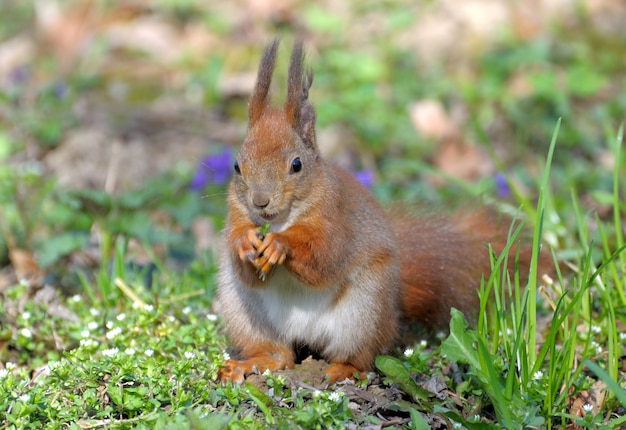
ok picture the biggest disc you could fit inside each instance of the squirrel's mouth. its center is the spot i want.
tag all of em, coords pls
(268, 216)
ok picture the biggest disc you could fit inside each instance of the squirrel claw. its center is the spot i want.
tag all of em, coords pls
(271, 253)
(264, 269)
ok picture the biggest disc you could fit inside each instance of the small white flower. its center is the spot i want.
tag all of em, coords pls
(226, 356)
(26, 315)
(10, 365)
(113, 333)
(595, 329)
(149, 352)
(53, 364)
(476, 418)
(92, 325)
(186, 310)
(597, 346)
(76, 298)
(26, 333)
(622, 337)
(171, 318)
(456, 425)
(148, 307)
(110, 352)
(87, 343)
(24, 397)
(190, 354)
(94, 312)
(267, 373)
(423, 344)
(335, 396)
(408, 352)
(129, 351)
(440, 335)
(211, 317)
(3, 373)
(587, 408)
(109, 325)
(121, 317)
(85, 333)
(538, 375)
(24, 283)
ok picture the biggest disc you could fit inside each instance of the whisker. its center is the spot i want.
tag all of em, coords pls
(206, 196)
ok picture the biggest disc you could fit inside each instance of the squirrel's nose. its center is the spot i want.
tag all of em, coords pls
(260, 200)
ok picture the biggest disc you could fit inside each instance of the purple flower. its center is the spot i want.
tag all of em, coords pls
(61, 90)
(19, 75)
(366, 177)
(502, 187)
(214, 169)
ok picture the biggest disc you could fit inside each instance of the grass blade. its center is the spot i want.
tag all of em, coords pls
(531, 314)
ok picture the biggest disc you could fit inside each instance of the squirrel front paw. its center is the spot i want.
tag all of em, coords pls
(262, 251)
(270, 253)
(248, 245)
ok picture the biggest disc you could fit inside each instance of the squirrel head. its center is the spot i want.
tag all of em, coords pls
(277, 166)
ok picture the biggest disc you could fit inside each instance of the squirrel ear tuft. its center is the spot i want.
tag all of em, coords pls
(300, 113)
(259, 100)
(306, 128)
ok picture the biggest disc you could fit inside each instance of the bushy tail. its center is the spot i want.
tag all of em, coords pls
(444, 257)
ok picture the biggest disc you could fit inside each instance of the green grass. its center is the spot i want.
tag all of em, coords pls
(532, 391)
(122, 344)
(529, 386)
(123, 355)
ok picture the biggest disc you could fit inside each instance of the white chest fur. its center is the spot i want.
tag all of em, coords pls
(299, 313)
(310, 316)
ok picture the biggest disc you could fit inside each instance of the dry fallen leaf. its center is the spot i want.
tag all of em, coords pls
(152, 35)
(25, 265)
(67, 31)
(454, 156)
(430, 119)
(588, 401)
(462, 160)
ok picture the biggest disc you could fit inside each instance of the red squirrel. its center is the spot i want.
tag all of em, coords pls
(335, 273)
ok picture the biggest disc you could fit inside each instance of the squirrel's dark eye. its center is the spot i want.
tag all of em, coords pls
(237, 169)
(296, 165)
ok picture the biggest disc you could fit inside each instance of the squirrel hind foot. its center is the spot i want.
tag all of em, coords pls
(342, 371)
(260, 359)
(231, 371)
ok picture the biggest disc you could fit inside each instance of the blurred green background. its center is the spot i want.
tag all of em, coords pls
(110, 110)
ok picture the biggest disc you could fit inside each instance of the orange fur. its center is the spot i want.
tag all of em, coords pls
(335, 273)
(262, 357)
(443, 260)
